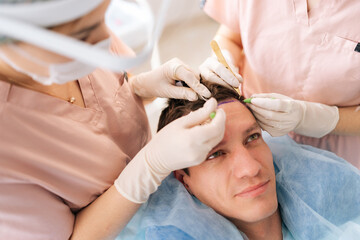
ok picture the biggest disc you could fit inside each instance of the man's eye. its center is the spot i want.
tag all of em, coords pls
(215, 155)
(253, 137)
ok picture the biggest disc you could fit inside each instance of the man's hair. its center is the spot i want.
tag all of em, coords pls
(178, 107)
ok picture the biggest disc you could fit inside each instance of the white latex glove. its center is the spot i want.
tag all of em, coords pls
(160, 82)
(214, 71)
(181, 144)
(278, 115)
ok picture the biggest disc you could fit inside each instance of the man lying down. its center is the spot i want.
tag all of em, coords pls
(251, 187)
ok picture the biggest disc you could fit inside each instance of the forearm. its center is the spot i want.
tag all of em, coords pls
(231, 41)
(105, 217)
(349, 122)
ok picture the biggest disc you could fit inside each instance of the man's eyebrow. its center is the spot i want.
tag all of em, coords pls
(87, 29)
(219, 145)
(254, 126)
(251, 128)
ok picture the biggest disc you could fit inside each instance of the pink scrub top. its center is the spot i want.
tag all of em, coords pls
(57, 157)
(312, 56)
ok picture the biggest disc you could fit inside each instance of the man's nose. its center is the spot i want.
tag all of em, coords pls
(244, 164)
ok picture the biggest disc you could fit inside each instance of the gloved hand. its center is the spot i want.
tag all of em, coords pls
(181, 144)
(160, 82)
(278, 115)
(214, 71)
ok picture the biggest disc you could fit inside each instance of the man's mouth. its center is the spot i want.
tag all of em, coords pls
(254, 190)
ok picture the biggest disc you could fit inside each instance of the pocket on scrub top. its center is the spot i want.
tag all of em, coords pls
(347, 51)
(346, 45)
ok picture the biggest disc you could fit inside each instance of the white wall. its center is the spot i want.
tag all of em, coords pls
(179, 9)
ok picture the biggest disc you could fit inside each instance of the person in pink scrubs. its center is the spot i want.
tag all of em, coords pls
(308, 51)
(63, 146)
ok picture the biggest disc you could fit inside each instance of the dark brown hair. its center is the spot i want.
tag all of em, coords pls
(178, 107)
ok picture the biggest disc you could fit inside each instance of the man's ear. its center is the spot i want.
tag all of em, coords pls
(179, 175)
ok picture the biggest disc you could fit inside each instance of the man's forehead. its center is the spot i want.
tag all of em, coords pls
(238, 116)
(226, 101)
(232, 106)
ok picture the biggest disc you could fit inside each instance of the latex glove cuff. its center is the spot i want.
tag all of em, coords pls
(318, 119)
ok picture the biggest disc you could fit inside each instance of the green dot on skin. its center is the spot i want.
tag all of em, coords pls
(212, 115)
(248, 100)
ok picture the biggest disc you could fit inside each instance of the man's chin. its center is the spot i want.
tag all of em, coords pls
(252, 215)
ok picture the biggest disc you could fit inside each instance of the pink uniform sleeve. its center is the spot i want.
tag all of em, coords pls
(225, 12)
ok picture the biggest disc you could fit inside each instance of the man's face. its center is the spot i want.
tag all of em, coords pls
(237, 179)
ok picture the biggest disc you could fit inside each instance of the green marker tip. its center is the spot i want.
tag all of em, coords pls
(248, 100)
(212, 115)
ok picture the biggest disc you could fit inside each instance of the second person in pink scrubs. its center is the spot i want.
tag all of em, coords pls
(307, 50)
